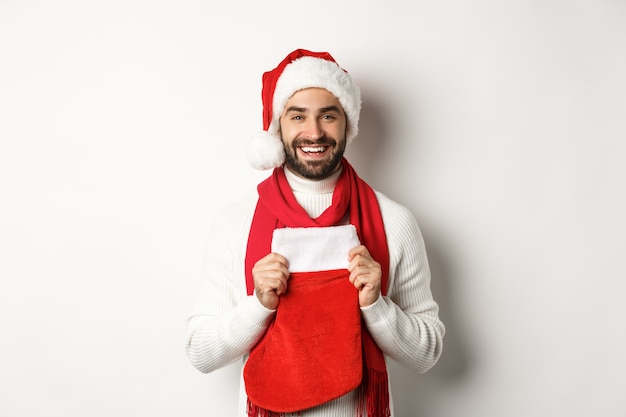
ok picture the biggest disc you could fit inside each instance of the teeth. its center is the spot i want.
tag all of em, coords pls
(313, 149)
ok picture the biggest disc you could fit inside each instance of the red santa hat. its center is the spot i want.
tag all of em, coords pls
(299, 70)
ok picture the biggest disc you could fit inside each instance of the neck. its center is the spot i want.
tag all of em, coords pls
(314, 196)
(305, 185)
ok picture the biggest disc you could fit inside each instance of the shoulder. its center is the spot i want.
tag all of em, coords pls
(235, 218)
(401, 227)
(394, 214)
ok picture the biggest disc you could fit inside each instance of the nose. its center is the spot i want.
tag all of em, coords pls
(313, 129)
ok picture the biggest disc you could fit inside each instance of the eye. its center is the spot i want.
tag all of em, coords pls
(297, 117)
(328, 117)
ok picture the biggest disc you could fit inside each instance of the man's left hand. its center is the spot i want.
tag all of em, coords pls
(365, 275)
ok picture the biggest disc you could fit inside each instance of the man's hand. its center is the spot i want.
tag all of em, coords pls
(270, 275)
(365, 275)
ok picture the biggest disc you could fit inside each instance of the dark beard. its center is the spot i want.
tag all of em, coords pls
(314, 170)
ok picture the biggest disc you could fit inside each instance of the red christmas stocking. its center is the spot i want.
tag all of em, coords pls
(312, 352)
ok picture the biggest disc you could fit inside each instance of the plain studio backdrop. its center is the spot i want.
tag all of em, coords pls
(123, 128)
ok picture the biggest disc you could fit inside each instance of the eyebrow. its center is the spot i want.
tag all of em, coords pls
(304, 109)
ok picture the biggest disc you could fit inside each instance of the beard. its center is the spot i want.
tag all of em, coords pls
(314, 170)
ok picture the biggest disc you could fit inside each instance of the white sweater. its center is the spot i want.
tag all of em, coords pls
(227, 323)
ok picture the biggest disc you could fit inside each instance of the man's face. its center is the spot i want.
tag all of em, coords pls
(313, 131)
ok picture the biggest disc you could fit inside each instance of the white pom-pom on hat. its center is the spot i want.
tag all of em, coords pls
(299, 70)
(265, 151)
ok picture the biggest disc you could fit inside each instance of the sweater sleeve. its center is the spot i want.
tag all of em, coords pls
(405, 323)
(226, 323)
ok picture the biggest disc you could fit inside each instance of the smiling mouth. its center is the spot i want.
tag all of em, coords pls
(313, 149)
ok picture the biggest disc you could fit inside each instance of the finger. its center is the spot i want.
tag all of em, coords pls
(356, 262)
(274, 257)
(273, 270)
(359, 282)
(271, 277)
(271, 261)
(360, 263)
(270, 288)
(358, 250)
(278, 286)
(358, 277)
(354, 280)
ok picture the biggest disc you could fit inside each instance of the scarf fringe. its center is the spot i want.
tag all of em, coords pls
(373, 395)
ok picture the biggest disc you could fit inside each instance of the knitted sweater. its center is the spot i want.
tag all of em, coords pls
(227, 323)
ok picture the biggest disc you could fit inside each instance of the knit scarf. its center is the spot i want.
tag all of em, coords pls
(277, 207)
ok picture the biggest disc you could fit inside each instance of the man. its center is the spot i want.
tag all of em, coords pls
(318, 278)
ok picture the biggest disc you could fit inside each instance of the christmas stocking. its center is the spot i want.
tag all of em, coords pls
(312, 352)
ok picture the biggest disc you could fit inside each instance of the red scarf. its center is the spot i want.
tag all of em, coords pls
(277, 207)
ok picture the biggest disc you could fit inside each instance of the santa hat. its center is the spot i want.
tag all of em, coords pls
(299, 70)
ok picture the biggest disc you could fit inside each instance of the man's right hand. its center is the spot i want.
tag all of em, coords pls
(270, 275)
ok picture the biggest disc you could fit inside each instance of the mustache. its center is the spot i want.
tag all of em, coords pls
(323, 141)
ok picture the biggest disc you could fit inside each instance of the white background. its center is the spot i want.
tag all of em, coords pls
(123, 128)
